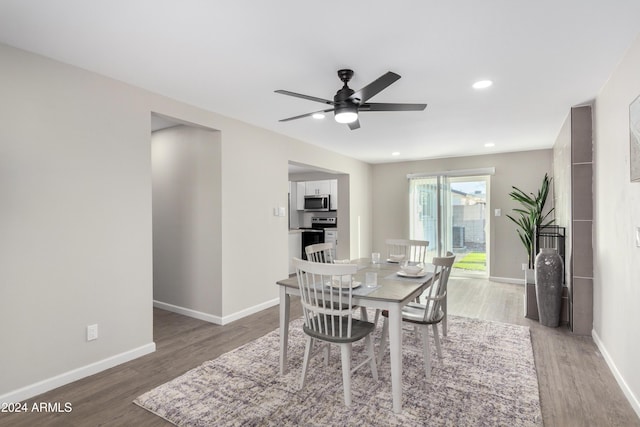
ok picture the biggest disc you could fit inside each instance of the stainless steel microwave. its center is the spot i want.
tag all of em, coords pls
(316, 203)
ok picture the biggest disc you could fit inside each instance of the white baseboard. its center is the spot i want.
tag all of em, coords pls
(76, 374)
(215, 319)
(507, 280)
(189, 312)
(251, 310)
(633, 400)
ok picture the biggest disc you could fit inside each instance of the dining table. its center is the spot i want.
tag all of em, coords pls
(393, 290)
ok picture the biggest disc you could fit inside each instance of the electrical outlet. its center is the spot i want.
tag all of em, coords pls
(525, 266)
(92, 332)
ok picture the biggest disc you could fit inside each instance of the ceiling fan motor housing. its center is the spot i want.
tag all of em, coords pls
(343, 94)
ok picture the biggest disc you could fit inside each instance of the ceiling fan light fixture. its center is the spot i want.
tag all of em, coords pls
(346, 114)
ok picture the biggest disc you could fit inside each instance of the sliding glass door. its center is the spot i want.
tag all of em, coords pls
(451, 213)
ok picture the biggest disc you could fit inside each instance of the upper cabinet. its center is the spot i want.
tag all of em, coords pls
(312, 188)
(317, 187)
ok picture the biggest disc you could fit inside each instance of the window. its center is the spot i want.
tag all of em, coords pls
(450, 211)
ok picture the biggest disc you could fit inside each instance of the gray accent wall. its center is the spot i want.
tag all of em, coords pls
(572, 166)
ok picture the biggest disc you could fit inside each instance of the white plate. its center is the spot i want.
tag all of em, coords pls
(336, 284)
(421, 273)
(395, 258)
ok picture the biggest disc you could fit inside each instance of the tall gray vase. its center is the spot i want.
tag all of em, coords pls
(548, 274)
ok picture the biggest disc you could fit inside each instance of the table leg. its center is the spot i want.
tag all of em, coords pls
(395, 348)
(284, 329)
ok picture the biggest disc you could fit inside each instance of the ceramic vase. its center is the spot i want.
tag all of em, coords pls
(548, 271)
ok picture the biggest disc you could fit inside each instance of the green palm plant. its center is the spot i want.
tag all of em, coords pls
(531, 215)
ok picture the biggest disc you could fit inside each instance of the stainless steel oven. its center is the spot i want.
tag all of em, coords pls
(311, 236)
(318, 233)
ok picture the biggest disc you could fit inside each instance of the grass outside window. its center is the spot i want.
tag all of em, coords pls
(474, 261)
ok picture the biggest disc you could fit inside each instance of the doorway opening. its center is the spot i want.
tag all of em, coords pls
(186, 217)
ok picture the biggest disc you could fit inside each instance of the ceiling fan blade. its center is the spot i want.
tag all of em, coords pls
(310, 98)
(354, 125)
(384, 106)
(375, 87)
(306, 115)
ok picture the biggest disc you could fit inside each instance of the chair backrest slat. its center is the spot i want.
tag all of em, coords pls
(437, 292)
(326, 294)
(418, 250)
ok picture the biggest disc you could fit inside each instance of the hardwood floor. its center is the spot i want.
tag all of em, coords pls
(576, 386)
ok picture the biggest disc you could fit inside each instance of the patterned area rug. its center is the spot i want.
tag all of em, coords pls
(487, 377)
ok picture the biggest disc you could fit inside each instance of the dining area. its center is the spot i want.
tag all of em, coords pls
(342, 301)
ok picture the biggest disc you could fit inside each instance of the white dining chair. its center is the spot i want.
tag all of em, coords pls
(411, 250)
(424, 315)
(326, 292)
(320, 252)
(397, 249)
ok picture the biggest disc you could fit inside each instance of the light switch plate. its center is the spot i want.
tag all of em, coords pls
(92, 332)
(638, 237)
(498, 212)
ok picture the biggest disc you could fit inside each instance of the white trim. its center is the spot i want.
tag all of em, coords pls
(633, 400)
(251, 310)
(75, 374)
(507, 280)
(217, 320)
(188, 312)
(459, 172)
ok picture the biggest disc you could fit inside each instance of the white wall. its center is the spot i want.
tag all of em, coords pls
(524, 170)
(76, 217)
(75, 220)
(616, 322)
(187, 235)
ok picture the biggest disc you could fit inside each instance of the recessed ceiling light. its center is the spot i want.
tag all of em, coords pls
(318, 116)
(489, 144)
(482, 84)
(395, 153)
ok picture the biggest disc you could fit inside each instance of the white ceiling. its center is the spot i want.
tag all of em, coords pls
(228, 56)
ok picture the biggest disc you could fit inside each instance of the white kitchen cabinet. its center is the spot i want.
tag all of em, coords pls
(300, 193)
(295, 249)
(317, 187)
(311, 188)
(333, 192)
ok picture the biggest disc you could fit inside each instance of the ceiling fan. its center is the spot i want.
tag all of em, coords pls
(347, 103)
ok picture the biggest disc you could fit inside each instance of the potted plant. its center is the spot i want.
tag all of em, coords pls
(530, 216)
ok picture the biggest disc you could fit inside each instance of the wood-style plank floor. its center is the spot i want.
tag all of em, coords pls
(576, 386)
